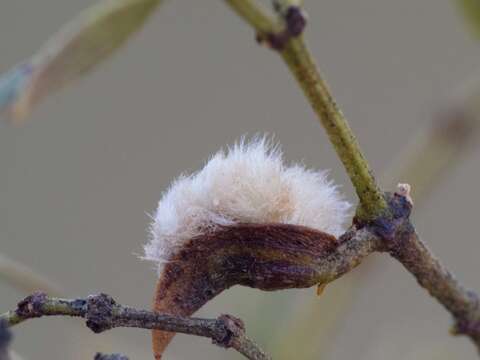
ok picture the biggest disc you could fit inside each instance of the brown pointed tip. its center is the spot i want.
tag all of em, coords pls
(320, 289)
(262, 256)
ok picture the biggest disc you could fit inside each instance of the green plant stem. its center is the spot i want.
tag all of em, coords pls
(302, 65)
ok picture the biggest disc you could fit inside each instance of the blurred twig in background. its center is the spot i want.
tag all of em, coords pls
(311, 323)
(99, 356)
(437, 149)
(471, 11)
(24, 278)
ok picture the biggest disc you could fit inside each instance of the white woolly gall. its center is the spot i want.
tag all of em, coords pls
(249, 183)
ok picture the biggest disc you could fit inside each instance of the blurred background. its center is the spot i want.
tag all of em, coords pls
(80, 177)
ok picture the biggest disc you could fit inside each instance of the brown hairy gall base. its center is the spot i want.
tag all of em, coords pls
(263, 256)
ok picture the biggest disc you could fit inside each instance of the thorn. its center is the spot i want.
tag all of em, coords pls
(320, 288)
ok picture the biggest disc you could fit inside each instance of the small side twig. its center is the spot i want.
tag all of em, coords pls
(102, 313)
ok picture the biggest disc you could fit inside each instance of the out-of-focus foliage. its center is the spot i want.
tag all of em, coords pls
(74, 50)
(471, 10)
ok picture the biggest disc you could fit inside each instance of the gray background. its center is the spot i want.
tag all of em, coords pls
(79, 178)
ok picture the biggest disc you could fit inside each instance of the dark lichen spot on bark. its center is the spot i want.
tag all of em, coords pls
(295, 23)
(277, 41)
(31, 306)
(79, 305)
(233, 328)
(466, 327)
(388, 224)
(99, 312)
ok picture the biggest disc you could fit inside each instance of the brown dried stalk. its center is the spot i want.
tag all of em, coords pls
(102, 313)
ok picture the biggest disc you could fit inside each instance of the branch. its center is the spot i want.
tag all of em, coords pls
(395, 235)
(390, 222)
(296, 55)
(401, 241)
(463, 304)
(301, 63)
(102, 313)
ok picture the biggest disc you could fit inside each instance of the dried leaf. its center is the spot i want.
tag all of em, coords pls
(74, 50)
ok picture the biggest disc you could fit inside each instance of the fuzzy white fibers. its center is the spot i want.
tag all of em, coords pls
(249, 183)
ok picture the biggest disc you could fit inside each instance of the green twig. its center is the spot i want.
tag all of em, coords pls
(300, 62)
(303, 67)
